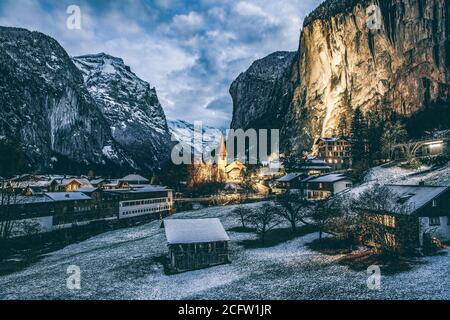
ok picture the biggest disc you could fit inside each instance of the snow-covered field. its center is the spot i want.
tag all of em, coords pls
(122, 264)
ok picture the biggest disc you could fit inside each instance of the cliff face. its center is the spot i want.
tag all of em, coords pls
(262, 94)
(403, 67)
(45, 106)
(90, 112)
(130, 107)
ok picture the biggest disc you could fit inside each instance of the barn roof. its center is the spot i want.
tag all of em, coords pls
(181, 231)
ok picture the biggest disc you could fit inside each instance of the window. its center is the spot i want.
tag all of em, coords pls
(435, 203)
(391, 240)
(389, 221)
(435, 221)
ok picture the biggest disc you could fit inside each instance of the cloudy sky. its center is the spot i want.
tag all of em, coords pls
(190, 51)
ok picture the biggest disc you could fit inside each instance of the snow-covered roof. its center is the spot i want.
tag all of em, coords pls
(67, 196)
(147, 188)
(415, 197)
(180, 231)
(334, 139)
(134, 177)
(289, 177)
(316, 161)
(330, 178)
(87, 190)
(315, 168)
(315, 165)
(30, 199)
(66, 181)
(31, 184)
(97, 181)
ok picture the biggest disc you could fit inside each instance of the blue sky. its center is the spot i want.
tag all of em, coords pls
(190, 51)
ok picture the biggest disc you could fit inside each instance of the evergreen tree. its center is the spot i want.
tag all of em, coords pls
(358, 134)
(343, 127)
(12, 158)
(292, 163)
(393, 133)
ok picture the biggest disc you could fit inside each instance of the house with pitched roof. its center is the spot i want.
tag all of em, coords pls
(326, 186)
(421, 214)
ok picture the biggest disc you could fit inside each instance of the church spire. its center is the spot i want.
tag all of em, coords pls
(222, 149)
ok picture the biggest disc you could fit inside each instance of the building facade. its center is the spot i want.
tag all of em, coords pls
(196, 243)
(422, 216)
(55, 211)
(324, 187)
(336, 152)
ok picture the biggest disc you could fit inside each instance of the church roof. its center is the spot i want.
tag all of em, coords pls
(222, 147)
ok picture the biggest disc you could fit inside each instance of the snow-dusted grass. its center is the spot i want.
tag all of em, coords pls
(397, 175)
(123, 264)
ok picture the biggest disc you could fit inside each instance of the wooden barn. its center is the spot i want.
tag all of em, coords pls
(195, 244)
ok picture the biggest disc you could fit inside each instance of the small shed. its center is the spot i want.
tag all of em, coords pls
(196, 243)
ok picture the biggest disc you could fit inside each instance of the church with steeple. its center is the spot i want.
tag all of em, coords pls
(224, 169)
(229, 171)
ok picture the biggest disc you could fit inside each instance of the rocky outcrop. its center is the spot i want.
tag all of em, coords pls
(342, 64)
(403, 67)
(45, 106)
(262, 94)
(130, 106)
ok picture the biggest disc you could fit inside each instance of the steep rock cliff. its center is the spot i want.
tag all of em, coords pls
(130, 106)
(262, 94)
(403, 67)
(45, 106)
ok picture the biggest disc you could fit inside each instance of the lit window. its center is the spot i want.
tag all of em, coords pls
(435, 221)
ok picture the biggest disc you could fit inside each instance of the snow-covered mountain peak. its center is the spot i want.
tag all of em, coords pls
(183, 132)
(129, 104)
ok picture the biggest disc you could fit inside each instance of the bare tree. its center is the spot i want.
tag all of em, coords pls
(323, 214)
(294, 209)
(7, 199)
(379, 213)
(265, 219)
(243, 214)
(341, 220)
(410, 149)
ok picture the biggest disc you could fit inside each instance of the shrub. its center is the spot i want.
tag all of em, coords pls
(414, 164)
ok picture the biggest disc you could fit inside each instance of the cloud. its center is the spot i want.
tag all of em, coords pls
(223, 104)
(250, 9)
(192, 21)
(191, 51)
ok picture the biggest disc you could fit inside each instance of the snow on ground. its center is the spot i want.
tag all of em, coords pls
(397, 175)
(122, 265)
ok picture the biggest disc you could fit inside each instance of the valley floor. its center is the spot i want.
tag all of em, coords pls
(124, 264)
